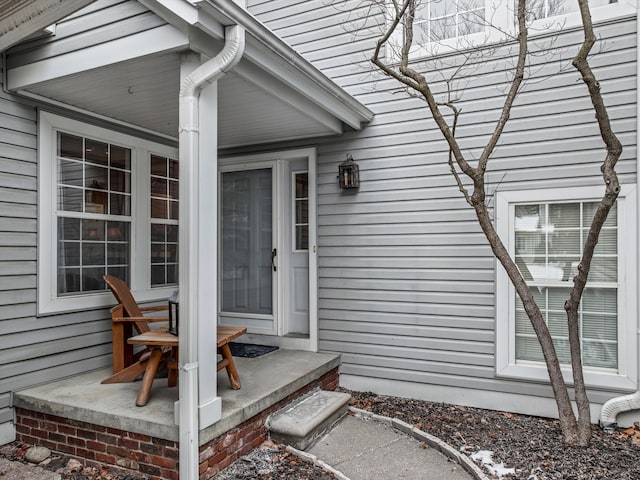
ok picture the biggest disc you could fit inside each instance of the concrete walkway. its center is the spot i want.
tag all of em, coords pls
(362, 448)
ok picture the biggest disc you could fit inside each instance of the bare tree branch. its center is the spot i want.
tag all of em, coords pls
(612, 189)
(513, 90)
(576, 431)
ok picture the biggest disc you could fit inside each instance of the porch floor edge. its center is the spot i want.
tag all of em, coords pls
(266, 380)
(281, 374)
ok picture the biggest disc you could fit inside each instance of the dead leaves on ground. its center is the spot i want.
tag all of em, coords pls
(631, 433)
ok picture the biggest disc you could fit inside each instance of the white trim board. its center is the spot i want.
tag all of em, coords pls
(157, 40)
(487, 399)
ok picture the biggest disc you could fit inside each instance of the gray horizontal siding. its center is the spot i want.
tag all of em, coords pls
(33, 349)
(406, 278)
(100, 22)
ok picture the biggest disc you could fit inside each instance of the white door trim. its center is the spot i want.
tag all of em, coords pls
(254, 161)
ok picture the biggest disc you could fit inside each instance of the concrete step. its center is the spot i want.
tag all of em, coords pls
(304, 420)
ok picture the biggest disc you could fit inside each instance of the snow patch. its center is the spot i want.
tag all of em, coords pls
(486, 460)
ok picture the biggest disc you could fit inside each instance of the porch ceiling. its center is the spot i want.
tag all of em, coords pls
(144, 92)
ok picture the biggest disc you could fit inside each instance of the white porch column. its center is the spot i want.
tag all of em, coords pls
(186, 406)
(199, 406)
(209, 403)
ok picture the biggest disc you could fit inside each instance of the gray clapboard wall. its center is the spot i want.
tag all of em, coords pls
(406, 279)
(33, 349)
(36, 349)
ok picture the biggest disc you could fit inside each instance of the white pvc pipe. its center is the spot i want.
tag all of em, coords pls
(613, 407)
(189, 130)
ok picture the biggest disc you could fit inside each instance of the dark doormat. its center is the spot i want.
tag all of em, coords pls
(248, 350)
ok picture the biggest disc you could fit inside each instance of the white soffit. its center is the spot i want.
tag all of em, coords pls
(139, 92)
(249, 115)
(143, 92)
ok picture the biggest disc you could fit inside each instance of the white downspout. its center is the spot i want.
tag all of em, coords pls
(611, 408)
(189, 130)
(615, 406)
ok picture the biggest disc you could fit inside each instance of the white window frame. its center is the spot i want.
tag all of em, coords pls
(502, 27)
(506, 364)
(140, 264)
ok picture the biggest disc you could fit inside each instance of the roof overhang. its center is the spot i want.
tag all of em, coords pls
(21, 18)
(273, 94)
(284, 63)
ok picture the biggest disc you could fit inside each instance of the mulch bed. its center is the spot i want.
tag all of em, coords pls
(272, 462)
(531, 445)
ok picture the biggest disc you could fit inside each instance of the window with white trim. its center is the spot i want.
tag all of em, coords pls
(539, 9)
(545, 233)
(93, 213)
(164, 221)
(438, 20)
(443, 26)
(548, 241)
(108, 205)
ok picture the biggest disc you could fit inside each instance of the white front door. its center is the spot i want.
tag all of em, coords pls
(267, 238)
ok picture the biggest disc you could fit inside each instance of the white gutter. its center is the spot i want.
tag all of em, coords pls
(189, 130)
(612, 408)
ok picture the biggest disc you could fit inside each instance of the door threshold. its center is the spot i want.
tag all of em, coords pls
(297, 335)
(288, 342)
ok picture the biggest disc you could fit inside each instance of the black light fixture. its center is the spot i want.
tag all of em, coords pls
(348, 174)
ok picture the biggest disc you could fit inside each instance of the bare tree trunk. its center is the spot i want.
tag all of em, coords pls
(612, 189)
(566, 416)
(576, 431)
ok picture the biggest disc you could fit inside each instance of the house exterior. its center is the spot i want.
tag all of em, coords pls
(395, 276)
(409, 292)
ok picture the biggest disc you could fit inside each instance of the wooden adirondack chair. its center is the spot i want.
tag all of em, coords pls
(160, 347)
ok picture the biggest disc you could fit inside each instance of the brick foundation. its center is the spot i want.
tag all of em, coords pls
(156, 458)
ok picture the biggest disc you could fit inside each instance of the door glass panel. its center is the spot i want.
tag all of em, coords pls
(301, 209)
(247, 241)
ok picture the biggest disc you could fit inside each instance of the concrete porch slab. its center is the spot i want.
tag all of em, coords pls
(265, 380)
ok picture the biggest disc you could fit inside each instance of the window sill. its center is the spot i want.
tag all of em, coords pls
(94, 301)
(599, 378)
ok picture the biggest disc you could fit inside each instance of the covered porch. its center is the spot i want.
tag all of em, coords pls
(100, 424)
(179, 82)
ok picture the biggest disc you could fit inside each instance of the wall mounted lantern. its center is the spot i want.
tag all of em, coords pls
(348, 174)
